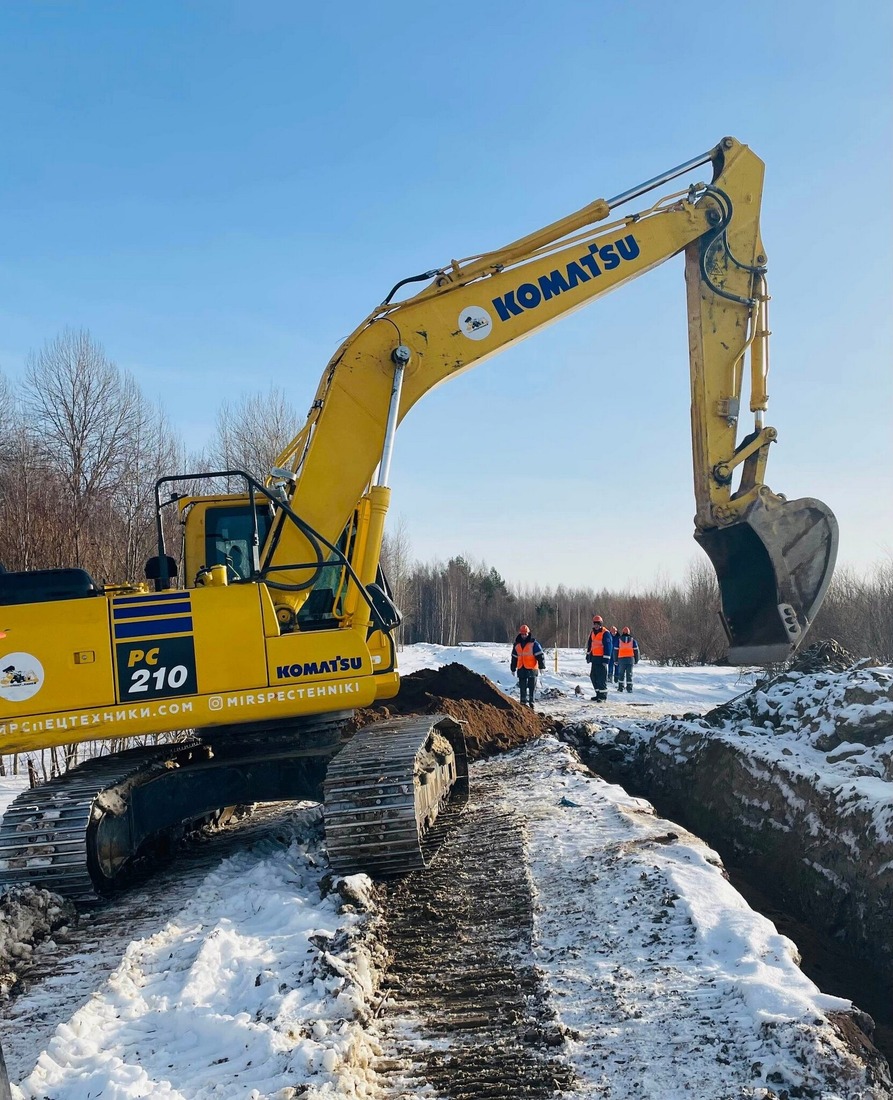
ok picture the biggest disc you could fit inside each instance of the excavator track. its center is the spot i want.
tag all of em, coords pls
(47, 834)
(385, 790)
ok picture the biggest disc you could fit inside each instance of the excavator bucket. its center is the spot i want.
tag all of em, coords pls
(773, 567)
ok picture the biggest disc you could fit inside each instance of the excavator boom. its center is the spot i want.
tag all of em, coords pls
(773, 558)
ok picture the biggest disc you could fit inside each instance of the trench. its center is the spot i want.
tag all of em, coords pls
(823, 957)
(823, 960)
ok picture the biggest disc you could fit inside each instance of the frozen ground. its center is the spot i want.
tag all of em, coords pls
(256, 983)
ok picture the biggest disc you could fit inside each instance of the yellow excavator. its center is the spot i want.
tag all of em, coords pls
(283, 623)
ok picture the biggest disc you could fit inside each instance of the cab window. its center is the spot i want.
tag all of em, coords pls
(229, 532)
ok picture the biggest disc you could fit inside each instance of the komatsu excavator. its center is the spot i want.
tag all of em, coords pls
(283, 623)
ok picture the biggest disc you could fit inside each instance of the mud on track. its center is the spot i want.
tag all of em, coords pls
(463, 1011)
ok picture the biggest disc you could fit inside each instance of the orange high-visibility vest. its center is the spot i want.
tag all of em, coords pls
(626, 649)
(526, 658)
(597, 643)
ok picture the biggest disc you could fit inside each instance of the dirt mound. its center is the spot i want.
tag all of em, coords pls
(822, 657)
(492, 721)
(826, 706)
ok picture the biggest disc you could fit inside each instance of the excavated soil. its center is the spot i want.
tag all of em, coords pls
(493, 722)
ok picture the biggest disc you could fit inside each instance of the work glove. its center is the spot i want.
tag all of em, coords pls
(588, 658)
(636, 661)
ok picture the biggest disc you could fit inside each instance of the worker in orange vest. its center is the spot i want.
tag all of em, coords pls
(528, 658)
(627, 656)
(599, 648)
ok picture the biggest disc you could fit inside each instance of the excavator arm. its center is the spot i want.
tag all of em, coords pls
(773, 558)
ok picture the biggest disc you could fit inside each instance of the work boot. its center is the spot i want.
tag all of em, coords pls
(602, 696)
(594, 699)
(629, 687)
(619, 686)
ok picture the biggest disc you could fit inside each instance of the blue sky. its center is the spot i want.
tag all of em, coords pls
(219, 192)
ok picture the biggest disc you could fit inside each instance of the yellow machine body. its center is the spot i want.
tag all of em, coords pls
(148, 662)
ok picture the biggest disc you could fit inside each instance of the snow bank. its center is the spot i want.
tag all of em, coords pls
(259, 987)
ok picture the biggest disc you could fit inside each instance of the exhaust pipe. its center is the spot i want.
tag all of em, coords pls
(773, 566)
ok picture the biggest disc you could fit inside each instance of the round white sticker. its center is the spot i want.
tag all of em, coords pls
(475, 323)
(21, 676)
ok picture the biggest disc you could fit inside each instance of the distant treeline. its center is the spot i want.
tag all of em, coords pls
(81, 449)
(675, 623)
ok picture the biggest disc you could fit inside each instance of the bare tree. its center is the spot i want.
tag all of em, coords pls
(155, 452)
(82, 410)
(252, 432)
(8, 414)
(880, 610)
(700, 624)
(29, 489)
(30, 533)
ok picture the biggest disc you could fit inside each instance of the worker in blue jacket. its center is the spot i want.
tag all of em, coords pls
(599, 647)
(612, 660)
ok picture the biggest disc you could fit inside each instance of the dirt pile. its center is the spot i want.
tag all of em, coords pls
(824, 707)
(492, 721)
(822, 657)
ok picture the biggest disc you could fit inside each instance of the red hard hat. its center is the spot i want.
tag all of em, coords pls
(597, 618)
(523, 629)
(626, 630)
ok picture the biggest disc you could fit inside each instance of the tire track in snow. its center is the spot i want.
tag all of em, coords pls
(464, 1013)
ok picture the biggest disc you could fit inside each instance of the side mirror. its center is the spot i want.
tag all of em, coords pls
(162, 571)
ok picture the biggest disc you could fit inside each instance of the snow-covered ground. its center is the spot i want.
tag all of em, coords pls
(257, 983)
(656, 690)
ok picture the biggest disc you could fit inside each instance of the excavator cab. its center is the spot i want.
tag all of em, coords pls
(773, 566)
